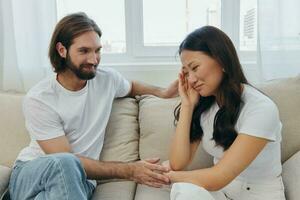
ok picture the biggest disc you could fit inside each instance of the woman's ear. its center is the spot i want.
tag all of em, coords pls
(61, 49)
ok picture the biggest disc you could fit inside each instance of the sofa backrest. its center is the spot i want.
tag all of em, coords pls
(286, 94)
(156, 121)
(13, 135)
(152, 118)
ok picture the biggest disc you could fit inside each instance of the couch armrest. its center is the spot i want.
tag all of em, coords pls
(291, 177)
(4, 178)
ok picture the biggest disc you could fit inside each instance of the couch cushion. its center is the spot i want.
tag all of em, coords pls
(121, 135)
(4, 178)
(13, 134)
(120, 144)
(291, 177)
(286, 94)
(144, 192)
(124, 190)
(156, 120)
(156, 117)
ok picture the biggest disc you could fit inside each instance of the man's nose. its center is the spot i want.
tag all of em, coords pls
(94, 58)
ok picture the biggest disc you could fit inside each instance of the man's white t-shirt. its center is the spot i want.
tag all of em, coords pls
(258, 117)
(51, 111)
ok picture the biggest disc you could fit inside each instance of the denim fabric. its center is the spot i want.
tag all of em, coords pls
(54, 176)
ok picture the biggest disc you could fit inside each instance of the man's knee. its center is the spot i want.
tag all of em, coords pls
(65, 157)
(65, 161)
(182, 191)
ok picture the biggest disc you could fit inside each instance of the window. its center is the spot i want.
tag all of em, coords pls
(163, 26)
(248, 25)
(109, 15)
(139, 31)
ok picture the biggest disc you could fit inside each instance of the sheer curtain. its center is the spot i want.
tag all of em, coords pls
(26, 28)
(278, 38)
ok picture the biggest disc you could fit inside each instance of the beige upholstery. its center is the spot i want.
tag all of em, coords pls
(120, 144)
(144, 192)
(124, 190)
(156, 118)
(156, 126)
(13, 135)
(4, 178)
(286, 94)
(291, 177)
(143, 127)
(122, 136)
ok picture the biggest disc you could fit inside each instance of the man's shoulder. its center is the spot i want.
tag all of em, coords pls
(106, 71)
(42, 88)
(105, 75)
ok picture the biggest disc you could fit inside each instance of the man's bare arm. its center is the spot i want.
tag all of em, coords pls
(145, 172)
(138, 88)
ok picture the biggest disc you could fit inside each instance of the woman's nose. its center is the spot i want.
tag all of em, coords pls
(192, 78)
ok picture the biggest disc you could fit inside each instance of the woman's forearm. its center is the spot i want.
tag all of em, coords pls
(210, 178)
(180, 146)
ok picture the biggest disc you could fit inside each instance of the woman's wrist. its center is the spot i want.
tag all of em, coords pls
(187, 106)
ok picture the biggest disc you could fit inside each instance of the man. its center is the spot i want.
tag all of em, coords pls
(66, 118)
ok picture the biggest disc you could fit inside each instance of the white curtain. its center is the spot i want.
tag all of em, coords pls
(278, 38)
(26, 28)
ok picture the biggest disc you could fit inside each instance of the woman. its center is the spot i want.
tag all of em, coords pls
(237, 124)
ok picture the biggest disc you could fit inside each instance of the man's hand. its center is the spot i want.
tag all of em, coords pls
(171, 91)
(148, 172)
(171, 174)
(142, 89)
(166, 164)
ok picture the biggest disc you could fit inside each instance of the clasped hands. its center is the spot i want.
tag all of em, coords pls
(150, 172)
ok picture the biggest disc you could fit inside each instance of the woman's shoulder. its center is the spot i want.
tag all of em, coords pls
(259, 115)
(255, 99)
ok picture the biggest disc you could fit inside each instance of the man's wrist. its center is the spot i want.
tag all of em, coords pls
(129, 171)
(160, 92)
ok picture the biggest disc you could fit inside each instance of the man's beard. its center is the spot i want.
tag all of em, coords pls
(78, 71)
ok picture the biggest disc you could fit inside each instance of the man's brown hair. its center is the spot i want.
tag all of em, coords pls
(68, 28)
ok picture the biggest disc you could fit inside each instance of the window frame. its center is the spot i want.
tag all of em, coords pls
(138, 54)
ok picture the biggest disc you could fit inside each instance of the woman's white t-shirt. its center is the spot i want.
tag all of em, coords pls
(258, 117)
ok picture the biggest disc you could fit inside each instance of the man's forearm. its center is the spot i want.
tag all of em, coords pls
(104, 170)
(141, 88)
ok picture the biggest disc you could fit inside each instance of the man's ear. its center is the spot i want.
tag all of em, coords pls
(61, 49)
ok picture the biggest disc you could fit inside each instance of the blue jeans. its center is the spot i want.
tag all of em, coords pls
(51, 177)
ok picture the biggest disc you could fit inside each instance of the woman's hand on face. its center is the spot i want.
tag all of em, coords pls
(189, 96)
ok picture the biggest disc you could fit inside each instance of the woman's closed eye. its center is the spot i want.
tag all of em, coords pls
(195, 68)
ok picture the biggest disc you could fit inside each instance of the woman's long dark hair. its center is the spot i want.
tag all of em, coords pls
(216, 44)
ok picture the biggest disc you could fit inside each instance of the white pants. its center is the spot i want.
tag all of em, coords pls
(236, 190)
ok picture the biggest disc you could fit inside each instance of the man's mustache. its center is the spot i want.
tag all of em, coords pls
(88, 65)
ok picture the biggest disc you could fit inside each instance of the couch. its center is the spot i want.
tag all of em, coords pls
(141, 127)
